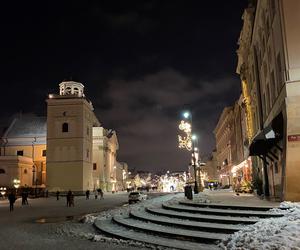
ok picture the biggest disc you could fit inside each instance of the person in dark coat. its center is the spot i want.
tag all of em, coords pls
(12, 198)
(57, 195)
(87, 194)
(26, 197)
(69, 194)
(23, 197)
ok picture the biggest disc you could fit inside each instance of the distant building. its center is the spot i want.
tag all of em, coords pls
(211, 167)
(225, 145)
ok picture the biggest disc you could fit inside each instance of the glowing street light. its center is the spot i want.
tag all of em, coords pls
(186, 114)
(16, 183)
(2, 191)
(194, 137)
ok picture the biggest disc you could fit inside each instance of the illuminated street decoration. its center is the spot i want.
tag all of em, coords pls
(186, 140)
(249, 120)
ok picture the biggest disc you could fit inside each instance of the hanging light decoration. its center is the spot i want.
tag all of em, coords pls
(186, 140)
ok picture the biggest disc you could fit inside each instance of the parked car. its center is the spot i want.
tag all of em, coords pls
(136, 196)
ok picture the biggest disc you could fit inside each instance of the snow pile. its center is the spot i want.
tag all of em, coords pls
(273, 233)
(155, 202)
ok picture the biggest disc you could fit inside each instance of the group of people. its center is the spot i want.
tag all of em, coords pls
(97, 192)
(12, 197)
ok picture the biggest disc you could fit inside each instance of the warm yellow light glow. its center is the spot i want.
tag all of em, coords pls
(16, 183)
(249, 120)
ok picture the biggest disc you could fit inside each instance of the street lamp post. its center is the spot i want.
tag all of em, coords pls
(187, 142)
(194, 137)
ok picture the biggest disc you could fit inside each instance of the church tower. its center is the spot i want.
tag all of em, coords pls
(70, 121)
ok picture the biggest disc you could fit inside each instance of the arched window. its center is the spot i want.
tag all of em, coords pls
(76, 91)
(68, 91)
(65, 127)
(25, 171)
(2, 171)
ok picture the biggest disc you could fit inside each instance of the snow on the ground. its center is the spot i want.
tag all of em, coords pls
(86, 230)
(90, 218)
(272, 233)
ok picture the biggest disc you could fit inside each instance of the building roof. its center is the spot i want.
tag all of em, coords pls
(27, 125)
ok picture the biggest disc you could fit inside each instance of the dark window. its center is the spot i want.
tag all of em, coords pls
(2, 171)
(25, 171)
(44, 153)
(276, 167)
(65, 127)
(87, 131)
(87, 153)
(20, 152)
(94, 166)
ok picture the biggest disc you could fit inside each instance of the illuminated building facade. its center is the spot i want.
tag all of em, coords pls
(269, 67)
(225, 145)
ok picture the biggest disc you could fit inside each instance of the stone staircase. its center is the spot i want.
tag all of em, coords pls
(183, 225)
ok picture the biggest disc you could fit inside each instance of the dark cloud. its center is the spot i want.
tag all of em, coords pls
(140, 114)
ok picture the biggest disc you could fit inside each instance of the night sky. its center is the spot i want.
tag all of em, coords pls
(142, 63)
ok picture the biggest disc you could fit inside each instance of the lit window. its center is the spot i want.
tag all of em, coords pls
(44, 153)
(65, 127)
(20, 152)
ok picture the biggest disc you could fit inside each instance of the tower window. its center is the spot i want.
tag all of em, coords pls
(20, 152)
(44, 153)
(25, 171)
(65, 127)
(87, 153)
(94, 166)
(2, 171)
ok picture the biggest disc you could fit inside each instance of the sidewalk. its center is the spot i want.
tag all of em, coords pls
(227, 196)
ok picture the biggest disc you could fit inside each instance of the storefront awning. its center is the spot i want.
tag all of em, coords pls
(267, 138)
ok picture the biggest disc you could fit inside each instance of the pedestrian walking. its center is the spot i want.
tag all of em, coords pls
(96, 194)
(72, 199)
(101, 193)
(26, 197)
(57, 195)
(47, 193)
(87, 194)
(69, 194)
(23, 195)
(12, 198)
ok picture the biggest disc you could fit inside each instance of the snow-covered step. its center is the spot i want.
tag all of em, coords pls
(170, 232)
(187, 224)
(227, 206)
(202, 217)
(218, 211)
(114, 230)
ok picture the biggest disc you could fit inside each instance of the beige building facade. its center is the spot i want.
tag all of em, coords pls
(269, 67)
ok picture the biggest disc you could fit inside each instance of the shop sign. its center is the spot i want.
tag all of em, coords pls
(294, 138)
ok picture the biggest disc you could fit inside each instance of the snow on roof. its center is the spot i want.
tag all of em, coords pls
(28, 125)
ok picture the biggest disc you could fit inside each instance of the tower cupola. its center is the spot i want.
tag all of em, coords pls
(71, 88)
